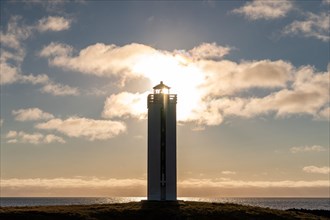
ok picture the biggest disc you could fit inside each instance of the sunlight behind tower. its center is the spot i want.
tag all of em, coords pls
(162, 144)
(180, 72)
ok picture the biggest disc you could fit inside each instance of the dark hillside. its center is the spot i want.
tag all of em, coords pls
(157, 210)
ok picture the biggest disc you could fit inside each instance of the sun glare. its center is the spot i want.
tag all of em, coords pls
(178, 72)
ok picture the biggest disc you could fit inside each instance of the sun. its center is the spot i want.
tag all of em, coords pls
(178, 72)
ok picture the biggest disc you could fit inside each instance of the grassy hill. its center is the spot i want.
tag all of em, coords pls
(158, 210)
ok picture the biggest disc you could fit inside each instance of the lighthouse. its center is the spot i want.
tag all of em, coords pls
(162, 144)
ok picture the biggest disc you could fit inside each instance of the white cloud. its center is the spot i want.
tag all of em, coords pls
(93, 186)
(314, 25)
(71, 182)
(48, 86)
(34, 138)
(125, 104)
(31, 114)
(308, 94)
(8, 73)
(315, 148)
(1, 122)
(135, 60)
(206, 114)
(50, 138)
(15, 33)
(10, 62)
(315, 169)
(228, 172)
(38, 79)
(15, 57)
(52, 23)
(84, 127)
(11, 134)
(56, 49)
(325, 113)
(188, 183)
(209, 51)
(260, 9)
(97, 91)
(12, 141)
(217, 88)
(13, 37)
(98, 59)
(11, 75)
(57, 89)
(197, 183)
(326, 2)
(54, 6)
(227, 77)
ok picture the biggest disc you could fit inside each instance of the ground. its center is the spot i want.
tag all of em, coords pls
(158, 210)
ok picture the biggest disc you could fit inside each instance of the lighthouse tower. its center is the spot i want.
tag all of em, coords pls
(162, 144)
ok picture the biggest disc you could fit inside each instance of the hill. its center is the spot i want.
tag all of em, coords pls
(158, 210)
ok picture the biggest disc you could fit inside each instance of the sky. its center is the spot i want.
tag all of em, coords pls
(252, 80)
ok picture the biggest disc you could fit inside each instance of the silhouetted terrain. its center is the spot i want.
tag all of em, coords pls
(158, 210)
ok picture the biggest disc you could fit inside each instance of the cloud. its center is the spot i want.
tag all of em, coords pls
(57, 89)
(56, 49)
(55, 6)
(98, 59)
(125, 104)
(209, 51)
(259, 9)
(34, 138)
(325, 113)
(218, 183)
(308, 94)
(96, 182)
(8, 74)
(38, 79)
(315, 26)
(100, 91)
(315, 148)
(11, 134)
(13, 52)
(315, 169)
(10, 65)
(52, 23)
(1, 122)
(141, 60)
(227, 77)
(72, 182)
(48, 86)
(12, 141)
(84, 127)
(31, 114)
(326, 2)
(15, 33)
(80, 186)
(11, 75)
(10, 61)
(227, 172)
(50, 138)
(216, 88)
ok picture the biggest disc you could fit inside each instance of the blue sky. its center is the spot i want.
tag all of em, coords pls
(252, 79)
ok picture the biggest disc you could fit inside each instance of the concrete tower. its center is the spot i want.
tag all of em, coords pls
(162, 144)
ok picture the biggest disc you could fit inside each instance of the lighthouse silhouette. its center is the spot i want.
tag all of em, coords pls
(162, 144)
